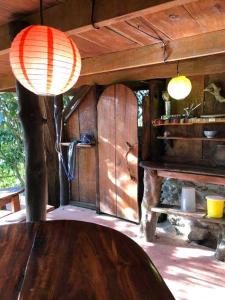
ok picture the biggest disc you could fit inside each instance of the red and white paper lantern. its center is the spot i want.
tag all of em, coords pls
(44, 60)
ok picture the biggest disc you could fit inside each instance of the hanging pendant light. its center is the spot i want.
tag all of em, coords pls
(179, 87)
(44, 60)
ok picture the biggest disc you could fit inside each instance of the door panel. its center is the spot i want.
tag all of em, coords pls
(118, 152)
(106, 147)
(126, 158)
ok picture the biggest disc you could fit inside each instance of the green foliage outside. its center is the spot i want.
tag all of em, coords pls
(140, 94)
(11, 143)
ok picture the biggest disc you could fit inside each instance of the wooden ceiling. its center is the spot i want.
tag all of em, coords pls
(13, 9)
(192, 19)
(172, 24)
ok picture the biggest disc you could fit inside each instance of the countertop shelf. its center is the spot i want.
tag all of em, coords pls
(190, 138)
(204, 174)
(183, 168)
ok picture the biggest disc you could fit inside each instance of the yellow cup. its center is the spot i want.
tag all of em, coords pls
(215, 206)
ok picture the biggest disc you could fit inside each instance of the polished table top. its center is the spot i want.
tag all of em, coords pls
(75, 260)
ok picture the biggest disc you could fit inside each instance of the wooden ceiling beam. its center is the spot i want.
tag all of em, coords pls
(192, 67)
(73, 16)
(199, 66)
(190, 47)
(7, 83)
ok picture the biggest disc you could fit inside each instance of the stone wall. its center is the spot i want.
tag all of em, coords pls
(192, 229)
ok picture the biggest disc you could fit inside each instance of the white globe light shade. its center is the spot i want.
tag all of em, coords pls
(44, 60)
(179, 87)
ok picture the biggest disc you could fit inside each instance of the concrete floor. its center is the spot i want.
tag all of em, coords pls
(190, 271)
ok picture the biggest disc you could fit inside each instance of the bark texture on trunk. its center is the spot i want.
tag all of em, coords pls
(31, 117)
(151, 197)
(35, 162)
(51, 154)
(63, 181)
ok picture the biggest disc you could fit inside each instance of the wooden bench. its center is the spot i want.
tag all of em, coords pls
(19, 216)
(201, 216)
(175, 210)
(11, 195)
(16, 215)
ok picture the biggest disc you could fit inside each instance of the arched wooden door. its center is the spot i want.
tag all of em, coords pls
(118, 152)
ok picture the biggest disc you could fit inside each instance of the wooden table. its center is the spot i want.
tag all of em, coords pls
(75, 260)
(11, 195)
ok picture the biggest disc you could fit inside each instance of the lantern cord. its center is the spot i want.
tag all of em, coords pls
(41, 12)
(92, 15)
(156, 37)
(178, 68)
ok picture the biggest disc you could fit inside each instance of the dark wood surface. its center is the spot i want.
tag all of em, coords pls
(75, 260)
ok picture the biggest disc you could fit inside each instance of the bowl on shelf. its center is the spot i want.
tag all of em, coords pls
(210, 133)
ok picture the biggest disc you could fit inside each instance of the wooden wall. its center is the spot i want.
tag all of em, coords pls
(208, 153)
(83, 189)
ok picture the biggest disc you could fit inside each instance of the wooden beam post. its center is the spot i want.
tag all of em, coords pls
(63, 181)
(146, 136)
(36, 177)
(210, 43)
(220, 250)
(35, 159)
(52, 164)
(151, 197)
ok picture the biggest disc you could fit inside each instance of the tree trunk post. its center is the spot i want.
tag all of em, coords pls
(52, 164)
(151, 197)
(220, 250)
(63, 181)
(35, 159)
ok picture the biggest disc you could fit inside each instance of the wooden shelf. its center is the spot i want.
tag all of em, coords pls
(190, 138)
(175, 210)
(194, 121)
(199, 214)
(78, 145)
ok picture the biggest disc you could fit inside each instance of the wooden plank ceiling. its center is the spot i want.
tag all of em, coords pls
(190, 19)
(12, 9)
(172, 24)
